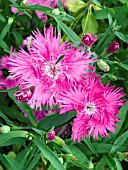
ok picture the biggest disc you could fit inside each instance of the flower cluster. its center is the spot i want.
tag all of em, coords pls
(51, 73)
(41, 69)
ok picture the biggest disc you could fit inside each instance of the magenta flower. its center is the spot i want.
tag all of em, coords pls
(40, 114)
(23, 95)
(51, 135)
(113, 47)
(97, 106)
(39, 68)
(88, 39)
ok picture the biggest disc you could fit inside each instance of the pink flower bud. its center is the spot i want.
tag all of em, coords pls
(51, 135)
(88, 39)
(23, 95)
(112, 48)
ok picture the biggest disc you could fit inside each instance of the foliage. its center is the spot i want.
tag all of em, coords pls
(26, 145)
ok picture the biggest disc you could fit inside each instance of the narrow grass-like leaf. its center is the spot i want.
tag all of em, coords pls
(49, 154)
(14, 164)
(2, 18)
(123, 66)
(4, 161)
(9, 122)
(55, 120)
(34, 162)
(119, 141)
(71, 34)
(7, 136)
(121, 36)
(78, 154)
(118, 164)
(90, 145)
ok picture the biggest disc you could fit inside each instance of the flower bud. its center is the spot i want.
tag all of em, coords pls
(70, 157)
(10, 20)
(23, 95)
(5, 129)
(90, 165)
(103, 65)
(112, 48)
(51, 135)
(59, 141)
(56, 11)
(11, 154)
(112, 77)
(88, 39)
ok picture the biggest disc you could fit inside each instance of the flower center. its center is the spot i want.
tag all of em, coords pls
(53, 70)
(90, 108)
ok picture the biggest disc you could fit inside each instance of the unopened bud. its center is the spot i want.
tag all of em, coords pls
(10, 20)
(59, 141)
(5, 129)
(112, 48)
(56, 11)
(24, 2)
(103, 65)
(12, 155)
(51, 135)
(23, 95)
(90, 165)
(70, 157)
(112, 77)
(88, 39)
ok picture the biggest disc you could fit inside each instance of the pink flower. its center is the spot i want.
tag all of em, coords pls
(40, 114)
(39, 68)
(51, 135)
(88, 39)
(23, 95)
(113, 47)
(4, 60)
(97, 106)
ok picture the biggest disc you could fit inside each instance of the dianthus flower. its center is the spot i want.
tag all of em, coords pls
(96, 107)
(40, 69)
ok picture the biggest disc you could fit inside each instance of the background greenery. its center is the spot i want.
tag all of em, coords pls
(25, 145)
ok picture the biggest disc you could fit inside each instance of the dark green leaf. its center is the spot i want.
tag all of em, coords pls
(90, 145)
(119, 141)
(71, 35)
(121, 36)
(55, 120)
(49, 154)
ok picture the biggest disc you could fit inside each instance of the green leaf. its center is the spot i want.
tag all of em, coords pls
(119, 141)
(96, 2)
(121, 36)
(2, 18)
(89, 24)
(49, 154)
(9, 122)
(23, 106)
(12, 112)
(78, 154)
(100, 14)
(14, 164)
(101, 148)
(33, 162)
(18, 37)
(4, 161)
(71, 35)
(123, 66)
(55, 120)
(90, 145)
(118, 164)
(6, 28)
(7, 136)
(122, 115)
